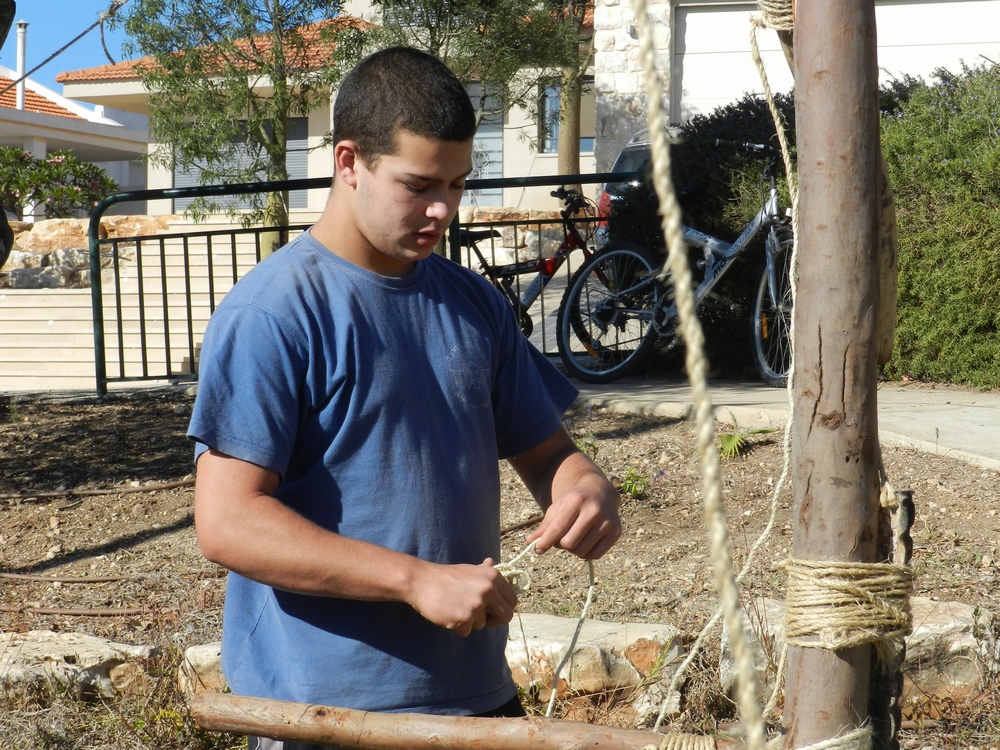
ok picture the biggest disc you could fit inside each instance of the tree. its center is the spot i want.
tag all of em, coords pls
(61, 183)
(513, 49)
(224, 78)
(571, 84)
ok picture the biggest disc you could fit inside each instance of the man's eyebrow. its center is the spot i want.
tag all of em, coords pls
(425, 178)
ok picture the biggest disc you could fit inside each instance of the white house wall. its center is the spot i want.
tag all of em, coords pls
(523, 159)
(710, 62)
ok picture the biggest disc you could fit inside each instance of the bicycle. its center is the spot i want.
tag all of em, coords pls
(616, 307)
(505, 277)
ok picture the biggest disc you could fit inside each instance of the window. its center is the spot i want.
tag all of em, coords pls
(549, 135)
(296, 162)
(487, 152)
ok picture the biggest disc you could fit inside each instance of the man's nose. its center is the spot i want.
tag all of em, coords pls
(439, 208)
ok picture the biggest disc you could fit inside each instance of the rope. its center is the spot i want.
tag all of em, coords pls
(520, 580)
(697, 368)
(839, 605)
(684, 742)
(777, 14)
(859, 739)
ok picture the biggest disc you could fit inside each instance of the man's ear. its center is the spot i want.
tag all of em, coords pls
(346, 162)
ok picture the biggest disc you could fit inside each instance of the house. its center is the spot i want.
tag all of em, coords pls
(503, 146)
(38, 120)
(704, 53)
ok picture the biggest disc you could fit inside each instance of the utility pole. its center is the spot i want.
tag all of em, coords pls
(835, 448)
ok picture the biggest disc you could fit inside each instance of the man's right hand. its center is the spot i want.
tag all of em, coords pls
(463, 598)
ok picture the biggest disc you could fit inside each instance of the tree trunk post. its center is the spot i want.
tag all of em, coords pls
(835, 424)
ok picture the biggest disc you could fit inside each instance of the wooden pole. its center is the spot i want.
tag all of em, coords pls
(835, 429)
(224, 712)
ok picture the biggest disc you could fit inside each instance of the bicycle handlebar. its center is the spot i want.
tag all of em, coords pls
(760, 148)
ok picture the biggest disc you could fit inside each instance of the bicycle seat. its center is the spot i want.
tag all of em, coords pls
(466, 236)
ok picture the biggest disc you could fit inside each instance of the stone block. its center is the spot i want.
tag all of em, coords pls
(951, 652)
(19, 259)
(601, 659)
(201, 670)
(949, 656)
(52, 277)
(85, 665)
(72, 257)
(135, 226)
(765, 635)
(55, 234)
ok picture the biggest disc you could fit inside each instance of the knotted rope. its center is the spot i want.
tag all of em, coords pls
(520, 580)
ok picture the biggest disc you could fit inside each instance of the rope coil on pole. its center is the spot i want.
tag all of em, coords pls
(838, 605)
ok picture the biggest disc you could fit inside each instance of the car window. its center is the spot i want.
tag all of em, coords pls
(631, 160)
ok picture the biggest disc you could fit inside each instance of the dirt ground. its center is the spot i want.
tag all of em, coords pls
(102, 489)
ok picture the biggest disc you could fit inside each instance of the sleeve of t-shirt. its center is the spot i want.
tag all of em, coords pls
(250, 376)
(530, 395)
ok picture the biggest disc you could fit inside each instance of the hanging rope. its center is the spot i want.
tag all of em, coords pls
(520, 580)
(697, 367)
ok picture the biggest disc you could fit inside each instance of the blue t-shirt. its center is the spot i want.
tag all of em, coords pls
(384, 405)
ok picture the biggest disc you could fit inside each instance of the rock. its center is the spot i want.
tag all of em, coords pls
(52, 277)
(487, 214)
(135, 226)
(949, 655)
(608, 657)
(87, 666)
(201, 670)
(765, 635)
(19, 259)
(602, 658)
(73, 257)
(651, 701)
(54, 234)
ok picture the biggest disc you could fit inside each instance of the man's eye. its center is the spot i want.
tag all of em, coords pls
(415, 189)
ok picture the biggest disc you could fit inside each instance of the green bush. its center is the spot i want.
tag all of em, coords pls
(941, 141)
(61, 182)
(721, 189)
(942, 147)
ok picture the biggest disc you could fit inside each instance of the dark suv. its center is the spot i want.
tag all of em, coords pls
(635, 156)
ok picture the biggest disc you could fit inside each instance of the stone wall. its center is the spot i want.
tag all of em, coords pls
(55, 254)
(621, 94)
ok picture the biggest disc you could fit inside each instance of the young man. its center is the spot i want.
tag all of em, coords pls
(356, 392)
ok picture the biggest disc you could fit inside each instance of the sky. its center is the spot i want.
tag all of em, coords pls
(51, 25)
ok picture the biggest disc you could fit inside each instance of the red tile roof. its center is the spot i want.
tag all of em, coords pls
(33, 102)
(317, 53)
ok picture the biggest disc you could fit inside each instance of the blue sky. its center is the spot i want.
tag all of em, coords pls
(52, 24)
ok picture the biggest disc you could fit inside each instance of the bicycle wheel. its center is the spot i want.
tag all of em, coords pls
(605, 321)
(770, 323)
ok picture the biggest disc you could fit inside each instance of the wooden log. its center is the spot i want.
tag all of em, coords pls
(236, 714)
(835, 429)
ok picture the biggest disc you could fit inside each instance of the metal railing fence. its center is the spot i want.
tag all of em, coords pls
(152, 295)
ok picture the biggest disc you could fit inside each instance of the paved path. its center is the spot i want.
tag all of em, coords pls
(956, 422)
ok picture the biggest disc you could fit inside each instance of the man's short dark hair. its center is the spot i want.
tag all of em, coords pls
(400, 88)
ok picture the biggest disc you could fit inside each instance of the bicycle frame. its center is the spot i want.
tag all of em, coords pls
(719, 254)
(620, 304)
(503, 276)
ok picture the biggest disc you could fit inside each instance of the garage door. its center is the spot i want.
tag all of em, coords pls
(712, 64)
